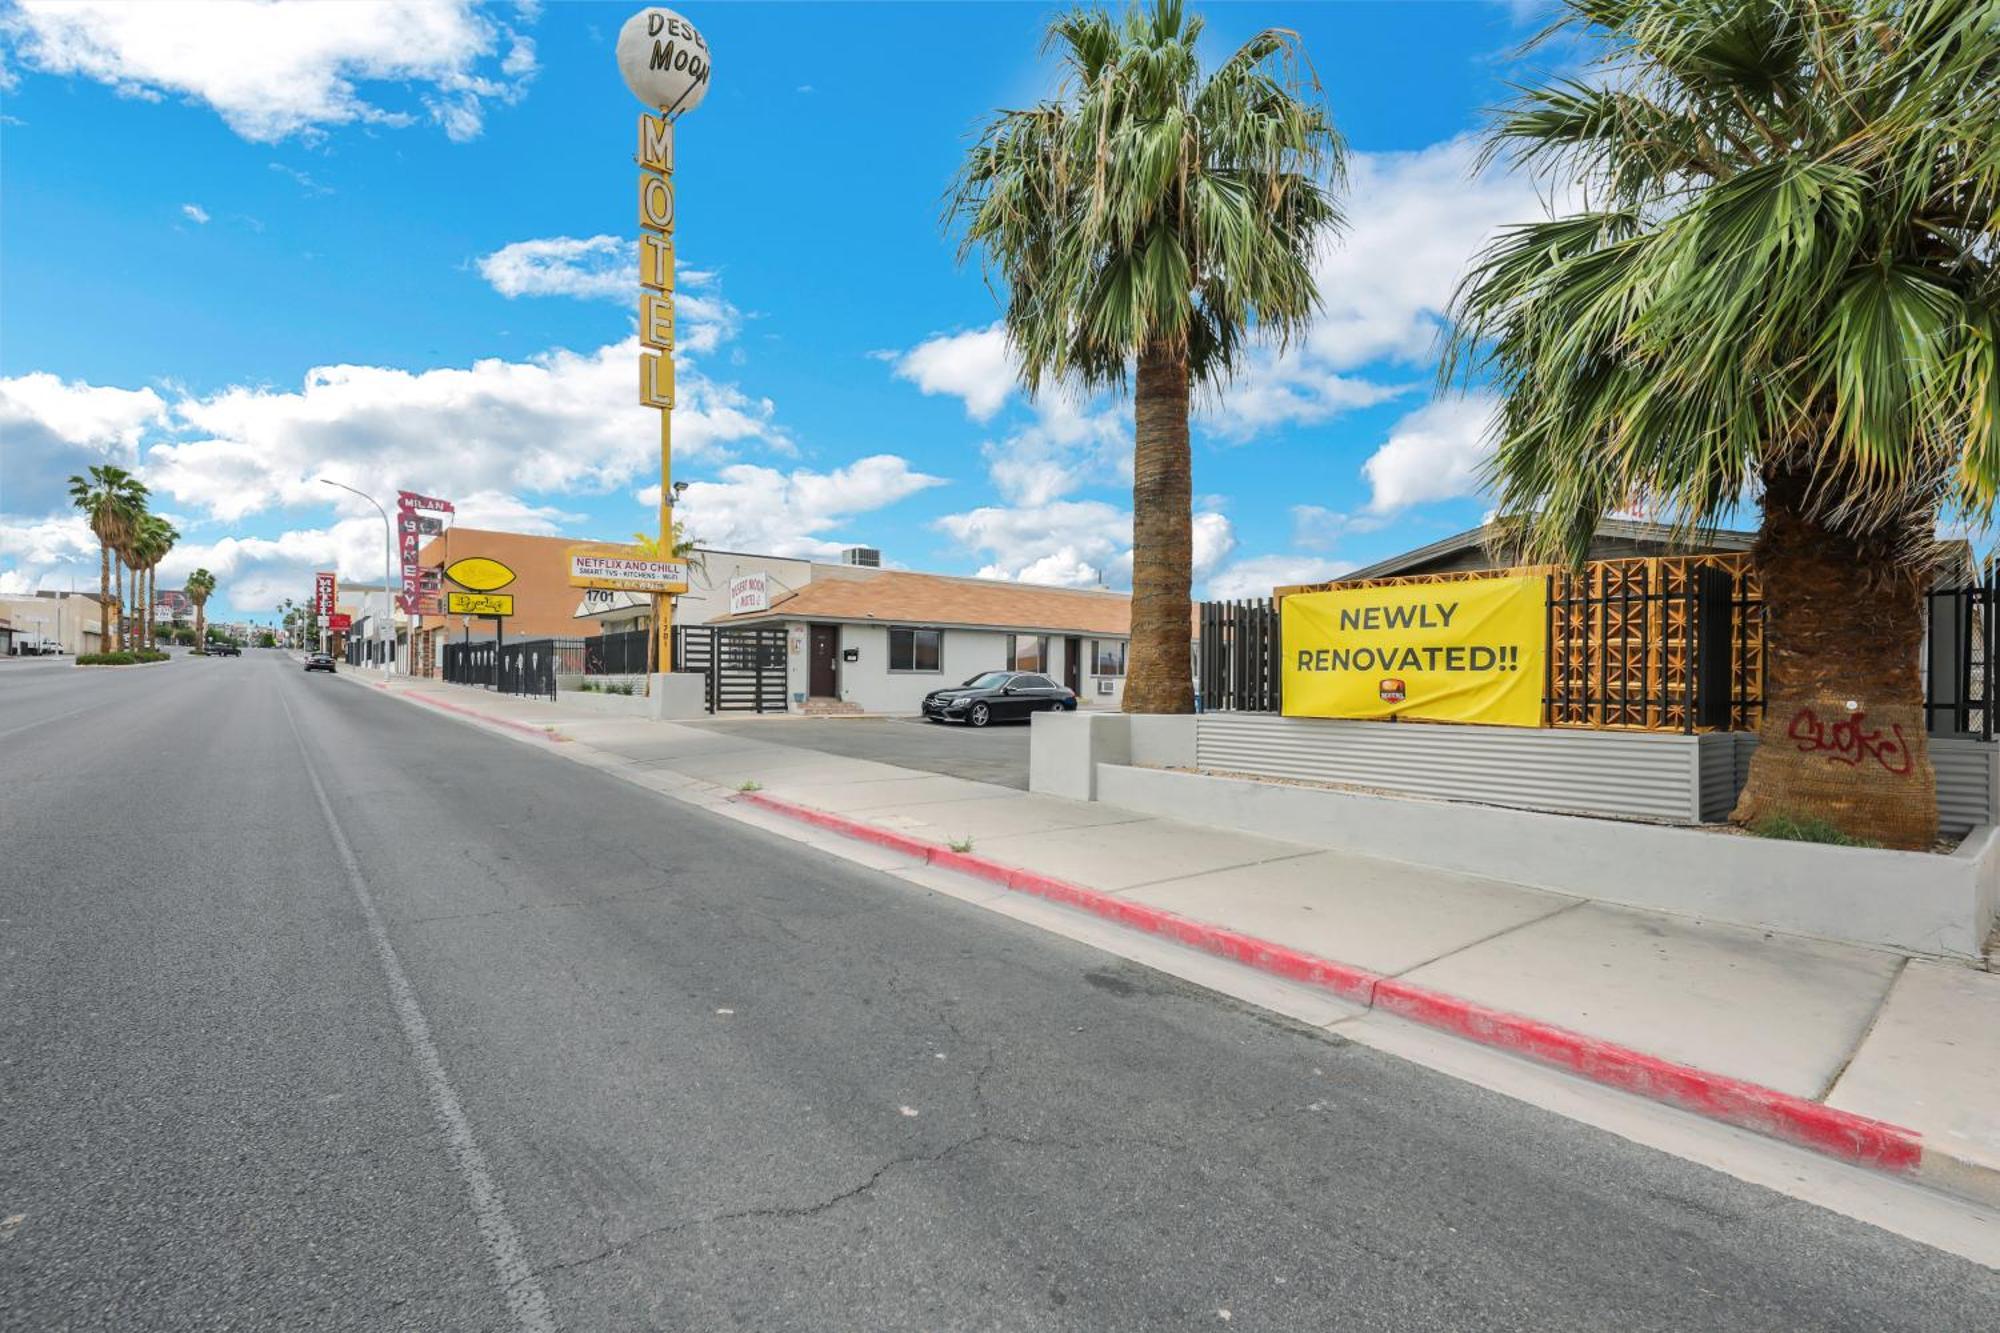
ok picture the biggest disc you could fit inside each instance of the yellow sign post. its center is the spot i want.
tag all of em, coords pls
(1469, 650)
(479, 603)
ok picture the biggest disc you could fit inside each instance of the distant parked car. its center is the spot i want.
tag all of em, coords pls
(224, 650)
(319, 662)
(997, 696)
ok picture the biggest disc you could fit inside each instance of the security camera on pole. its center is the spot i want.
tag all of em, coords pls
(665, 63)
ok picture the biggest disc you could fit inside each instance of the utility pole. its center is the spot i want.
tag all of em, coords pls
(388, 553)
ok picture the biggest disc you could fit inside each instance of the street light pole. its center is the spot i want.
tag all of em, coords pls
(388, 549)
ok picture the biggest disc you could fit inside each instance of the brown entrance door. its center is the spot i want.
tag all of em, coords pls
(825, 659)
(1073, 665)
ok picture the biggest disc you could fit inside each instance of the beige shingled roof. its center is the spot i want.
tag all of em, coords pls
(889, 597)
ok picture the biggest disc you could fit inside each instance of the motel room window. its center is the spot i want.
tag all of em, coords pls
(1028, 652)
(916, 650)
(1108, 657)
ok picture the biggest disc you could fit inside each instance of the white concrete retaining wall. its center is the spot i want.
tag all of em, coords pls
(628, 705)
(1916, 902)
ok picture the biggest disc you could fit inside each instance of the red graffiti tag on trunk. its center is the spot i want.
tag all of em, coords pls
(1850, 742)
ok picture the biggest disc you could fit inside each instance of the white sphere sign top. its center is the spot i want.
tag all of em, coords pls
(664, 60)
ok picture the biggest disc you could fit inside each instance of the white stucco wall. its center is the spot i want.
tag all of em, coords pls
(868, 683)
(707, 596)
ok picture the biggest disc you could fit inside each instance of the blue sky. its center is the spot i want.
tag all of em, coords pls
(245, 247)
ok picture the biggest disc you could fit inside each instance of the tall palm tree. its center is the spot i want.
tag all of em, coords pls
(199, 585)
(157, 538)
(1151, 218)
(1780, 279)
(112, 499)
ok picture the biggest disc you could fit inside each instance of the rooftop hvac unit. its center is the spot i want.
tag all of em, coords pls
(862, 555)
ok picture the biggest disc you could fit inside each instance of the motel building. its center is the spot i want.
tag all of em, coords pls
(856, 638)
(862, 639)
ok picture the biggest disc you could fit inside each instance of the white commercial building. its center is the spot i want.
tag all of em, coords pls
(859, 638)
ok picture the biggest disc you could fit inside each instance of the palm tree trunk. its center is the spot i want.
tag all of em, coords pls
(1159, 679)
(1843, 737)
(118, 572)
(104, 597)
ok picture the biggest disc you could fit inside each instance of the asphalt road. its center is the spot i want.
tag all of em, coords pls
(996, 754)
(318, 1010)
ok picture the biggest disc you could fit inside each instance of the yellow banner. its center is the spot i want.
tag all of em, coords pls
(1466, 651)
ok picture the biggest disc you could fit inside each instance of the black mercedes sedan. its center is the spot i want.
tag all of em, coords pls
(997, 696)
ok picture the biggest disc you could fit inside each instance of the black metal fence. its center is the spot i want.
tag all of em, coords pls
(1958, 658)
(621, 654)
(525, 668)
(745, 667)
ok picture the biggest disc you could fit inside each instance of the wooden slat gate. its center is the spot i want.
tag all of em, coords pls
(1237, 666)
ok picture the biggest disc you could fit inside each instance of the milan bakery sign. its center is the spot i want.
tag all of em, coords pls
(416, 518)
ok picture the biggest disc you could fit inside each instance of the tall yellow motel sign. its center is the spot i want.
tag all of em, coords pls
(665, 62)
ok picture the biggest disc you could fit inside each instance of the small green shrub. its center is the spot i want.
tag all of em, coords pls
(752, 785)
(123, 657)
(587, 687)
(619, 687)
(960, 845)
(1805, 828)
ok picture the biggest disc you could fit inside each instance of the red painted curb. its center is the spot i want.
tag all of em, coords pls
(522, 727)
(1767, 1111)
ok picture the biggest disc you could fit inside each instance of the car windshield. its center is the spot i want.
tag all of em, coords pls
(990, 680)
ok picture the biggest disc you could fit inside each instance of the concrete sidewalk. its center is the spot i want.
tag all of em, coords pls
(1833, 1029)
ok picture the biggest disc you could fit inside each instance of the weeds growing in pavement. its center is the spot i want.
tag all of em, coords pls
(1805, 828)
(752, 785)
(960, 844)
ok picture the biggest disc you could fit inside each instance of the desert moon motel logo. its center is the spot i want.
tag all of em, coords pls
(1462, 650)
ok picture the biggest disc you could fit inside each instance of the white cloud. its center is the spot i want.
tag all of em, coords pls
(1276, 390)
(1415, 220)
(975, 366)
(275, 68)
(606, 268)
(1257, 576)
(51, 428)
(1434, 453)
(1071, 543)
(194, 213)
(561, 422)
(770, 512)
(301, 179)
(585, 266)
(1069, 444)
(51, 552)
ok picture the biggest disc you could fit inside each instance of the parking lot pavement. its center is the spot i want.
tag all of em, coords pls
(997, 754)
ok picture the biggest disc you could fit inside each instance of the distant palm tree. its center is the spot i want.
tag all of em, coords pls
(1780, 277)
(1150, 216)
(112, 499)
(156, 538)
(199, 585)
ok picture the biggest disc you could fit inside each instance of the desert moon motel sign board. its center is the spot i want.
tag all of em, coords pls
(1469, 650)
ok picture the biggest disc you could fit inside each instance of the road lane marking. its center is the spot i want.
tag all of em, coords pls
(523, 1292)
(40, 721)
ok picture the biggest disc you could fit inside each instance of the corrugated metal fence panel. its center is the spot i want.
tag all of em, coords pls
(1721, 772)
(1633, 774)
(1967, 791)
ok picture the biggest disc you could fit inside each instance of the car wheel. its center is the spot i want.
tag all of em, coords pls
(980, 715)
